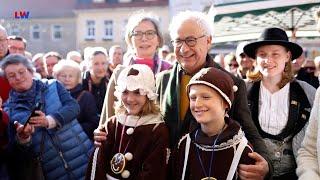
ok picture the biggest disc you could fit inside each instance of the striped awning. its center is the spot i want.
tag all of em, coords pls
(298, 20)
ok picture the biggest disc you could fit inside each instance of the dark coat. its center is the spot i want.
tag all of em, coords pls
(4, 121)
(98, 90)
(301, 96)
(88, 116)
(222, 156)
(168, 84)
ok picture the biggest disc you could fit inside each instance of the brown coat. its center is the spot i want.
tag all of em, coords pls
(148, 144)
(222, 156)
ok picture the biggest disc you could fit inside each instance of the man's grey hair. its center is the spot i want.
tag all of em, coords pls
(113, 48)
(16, 59)
(201, 19)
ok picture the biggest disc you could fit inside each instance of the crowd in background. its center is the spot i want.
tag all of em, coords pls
(77, 96)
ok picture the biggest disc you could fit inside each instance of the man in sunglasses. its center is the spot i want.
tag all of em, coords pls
(191, 34)
(244, 61)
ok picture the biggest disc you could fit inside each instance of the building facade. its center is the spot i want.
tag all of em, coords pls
(103, 23)
(46, 26)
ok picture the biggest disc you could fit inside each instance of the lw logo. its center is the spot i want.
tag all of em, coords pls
(21, 14)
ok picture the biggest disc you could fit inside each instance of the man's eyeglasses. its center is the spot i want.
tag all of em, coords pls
(150, 34)
(190, 41)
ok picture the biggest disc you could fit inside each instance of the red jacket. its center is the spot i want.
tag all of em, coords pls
(5, 88)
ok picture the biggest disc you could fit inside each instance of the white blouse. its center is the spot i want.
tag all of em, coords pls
(273, 109)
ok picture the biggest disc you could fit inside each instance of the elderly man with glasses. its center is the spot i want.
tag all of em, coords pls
(4, 85)
(191, 34)
(17, 45)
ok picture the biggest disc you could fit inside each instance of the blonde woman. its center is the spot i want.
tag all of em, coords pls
(280, 105)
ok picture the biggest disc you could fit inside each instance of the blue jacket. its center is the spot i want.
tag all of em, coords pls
(68, 137)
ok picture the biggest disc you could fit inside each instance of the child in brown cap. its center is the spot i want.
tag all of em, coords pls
(218, 145)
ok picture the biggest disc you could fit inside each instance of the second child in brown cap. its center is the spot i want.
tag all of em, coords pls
(218, 145)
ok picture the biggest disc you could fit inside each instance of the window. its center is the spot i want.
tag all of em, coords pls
(98, 1)
(90, 29)
(15, 31)
(35, 32)
(125, 1)
(108, 29)
(123, 30)
(56, 32)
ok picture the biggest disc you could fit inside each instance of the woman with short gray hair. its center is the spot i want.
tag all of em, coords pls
(143, 37)
(69, 74)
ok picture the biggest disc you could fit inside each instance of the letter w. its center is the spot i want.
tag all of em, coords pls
(24, 14)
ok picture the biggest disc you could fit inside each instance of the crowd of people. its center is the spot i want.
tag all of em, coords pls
(149, 113)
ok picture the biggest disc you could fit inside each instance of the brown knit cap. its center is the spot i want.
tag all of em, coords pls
(216, 79)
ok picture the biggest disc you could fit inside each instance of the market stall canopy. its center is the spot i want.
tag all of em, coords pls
(246, 20)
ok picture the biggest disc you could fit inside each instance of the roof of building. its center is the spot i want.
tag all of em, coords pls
(88, 4)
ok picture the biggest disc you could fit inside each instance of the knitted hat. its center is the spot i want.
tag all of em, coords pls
(137, 76)
(216, 79)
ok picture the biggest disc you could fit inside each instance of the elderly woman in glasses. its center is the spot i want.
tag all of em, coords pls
(48, 112)
(143, 38)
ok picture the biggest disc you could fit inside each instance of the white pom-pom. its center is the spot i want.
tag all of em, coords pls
(125, 174)
(235, 88)
(128, 156)
(130, 131)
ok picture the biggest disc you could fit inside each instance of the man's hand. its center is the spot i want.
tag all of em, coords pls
(99, 135)
(255, 172)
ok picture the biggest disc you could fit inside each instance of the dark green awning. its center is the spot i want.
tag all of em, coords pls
(263, 11)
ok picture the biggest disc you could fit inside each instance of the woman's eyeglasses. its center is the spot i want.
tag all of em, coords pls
(20, 73)
(150, 34)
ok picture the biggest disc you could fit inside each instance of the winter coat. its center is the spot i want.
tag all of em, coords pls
(64, 150)
(88, 116)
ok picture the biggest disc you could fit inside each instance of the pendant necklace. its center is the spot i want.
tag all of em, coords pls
(119, 160)
(208, 176)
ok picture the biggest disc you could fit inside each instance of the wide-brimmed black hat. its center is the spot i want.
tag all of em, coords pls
(273, 36)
